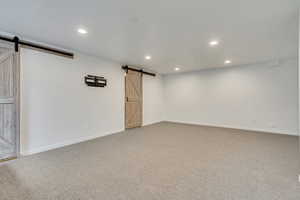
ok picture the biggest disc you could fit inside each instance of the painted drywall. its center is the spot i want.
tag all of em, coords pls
(299, 84)
(153, 100)
(58, 109)
(299, 71)
(261, 97)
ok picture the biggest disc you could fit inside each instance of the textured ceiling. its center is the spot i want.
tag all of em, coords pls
(173, 32)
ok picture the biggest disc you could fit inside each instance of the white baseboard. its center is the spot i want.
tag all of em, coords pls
(66, 143)
(90, 137)
(72, 141)
(237, 127)
(150, 123)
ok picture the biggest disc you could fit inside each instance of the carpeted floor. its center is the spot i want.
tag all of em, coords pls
(160, 162)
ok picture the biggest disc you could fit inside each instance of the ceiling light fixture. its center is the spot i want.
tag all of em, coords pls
(176, 68)
(82, 31)
(214, 43)
(148, 57)
(227, 61)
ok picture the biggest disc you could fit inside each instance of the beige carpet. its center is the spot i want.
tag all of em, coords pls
(160, 162)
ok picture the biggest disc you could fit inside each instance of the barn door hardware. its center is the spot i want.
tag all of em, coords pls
(126, 68)
(31, 45)
(95, 81)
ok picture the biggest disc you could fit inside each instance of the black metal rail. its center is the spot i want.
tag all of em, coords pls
(32, 45)
(125, 67)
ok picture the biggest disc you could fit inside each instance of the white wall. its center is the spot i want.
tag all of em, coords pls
(299, 76)
(58, 109)
(261, 97)
(153, 98)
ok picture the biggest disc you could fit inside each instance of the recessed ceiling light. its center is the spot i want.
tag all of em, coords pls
(82, 31)
(227, 61)
(176, 68)
(148, 57)
(214, 43)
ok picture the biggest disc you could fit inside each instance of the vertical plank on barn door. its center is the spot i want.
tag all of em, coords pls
(133, 99)
(9, 102)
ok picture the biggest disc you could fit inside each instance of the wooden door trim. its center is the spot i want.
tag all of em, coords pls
(18, 101)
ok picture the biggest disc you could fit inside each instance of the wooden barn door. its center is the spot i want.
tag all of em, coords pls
(133, 99)
(9, 102)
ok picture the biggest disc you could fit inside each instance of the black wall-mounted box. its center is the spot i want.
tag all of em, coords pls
(95, 81)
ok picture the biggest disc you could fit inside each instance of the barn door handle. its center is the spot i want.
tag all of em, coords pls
(127, 99)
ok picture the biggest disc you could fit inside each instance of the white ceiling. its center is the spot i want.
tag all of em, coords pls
(173, 32)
